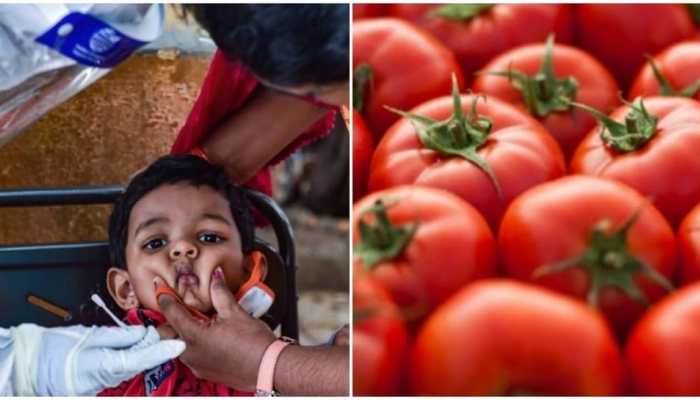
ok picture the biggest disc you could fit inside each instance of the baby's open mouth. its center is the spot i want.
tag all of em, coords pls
(185, 275)
(187, 279)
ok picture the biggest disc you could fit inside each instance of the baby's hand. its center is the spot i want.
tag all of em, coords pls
(167, 332)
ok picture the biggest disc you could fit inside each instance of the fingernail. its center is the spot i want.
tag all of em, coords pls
(218, 273)
(156, 282)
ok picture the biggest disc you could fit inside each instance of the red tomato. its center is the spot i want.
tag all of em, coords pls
(689, 247)
(665, 167)
(578, 228)
(550, 103)
(409, 66)
(661, 352)
(450, 245)
(497, 337)
(517, 149)
(678, 66)
(369, 10)
(620, 35)
(476, 33)
(362, 149)
(380, 339)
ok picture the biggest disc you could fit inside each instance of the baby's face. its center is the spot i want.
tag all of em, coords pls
(181, 233)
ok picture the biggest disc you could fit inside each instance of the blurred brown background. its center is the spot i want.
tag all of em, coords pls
(100, 137)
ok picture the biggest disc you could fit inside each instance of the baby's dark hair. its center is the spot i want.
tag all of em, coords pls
(174, 169)
(286, 44)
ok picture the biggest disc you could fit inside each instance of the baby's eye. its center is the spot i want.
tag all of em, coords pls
(210, 238)
(154, 244)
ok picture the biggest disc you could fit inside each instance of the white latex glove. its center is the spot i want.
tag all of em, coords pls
(6, 357)
(80, 360)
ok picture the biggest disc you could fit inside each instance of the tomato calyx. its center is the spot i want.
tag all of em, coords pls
(638, 129)
(460, 12)
(542, 92)
(459, 135)
(362, 79)
(381, 241)
(665, 86)
(608, 261)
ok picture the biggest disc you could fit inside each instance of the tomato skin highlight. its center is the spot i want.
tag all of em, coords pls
(619, 35)
(362, 150)
(661, 351)
(500, 336)
(504, 26)
(689, 248)
(554, 222)
(451, 247)
(665, 168)
(596, 88)
(678, 64)
(519, 151)
(380, 339)
(410, 66)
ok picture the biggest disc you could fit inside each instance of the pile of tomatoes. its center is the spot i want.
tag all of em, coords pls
(526, 213)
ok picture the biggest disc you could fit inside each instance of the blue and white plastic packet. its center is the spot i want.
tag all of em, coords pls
(50, 52)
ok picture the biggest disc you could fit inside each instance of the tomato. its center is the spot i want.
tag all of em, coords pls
(662, 163)
(678, 66)
(517, 151)
(362, 149)
(380, 339)
(422, 245)
(476, 33)
(369, 10)
(554, 76)
(689, 247)
(620, 35)
(661, 352)
(406, 66)
(591, 238)
(497, 337)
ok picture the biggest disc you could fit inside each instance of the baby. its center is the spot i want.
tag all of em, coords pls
(179, 219)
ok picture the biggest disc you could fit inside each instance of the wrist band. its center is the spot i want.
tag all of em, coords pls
(266, 373)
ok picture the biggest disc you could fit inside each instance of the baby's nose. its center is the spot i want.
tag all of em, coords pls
(184, 248)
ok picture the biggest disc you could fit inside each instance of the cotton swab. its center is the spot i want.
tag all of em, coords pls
(100, 303)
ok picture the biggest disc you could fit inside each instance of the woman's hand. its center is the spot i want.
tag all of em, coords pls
(227, 349)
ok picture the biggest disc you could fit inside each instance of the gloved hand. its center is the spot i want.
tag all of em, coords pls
(80, 360)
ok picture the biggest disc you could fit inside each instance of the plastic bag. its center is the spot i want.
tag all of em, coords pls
(50, 52)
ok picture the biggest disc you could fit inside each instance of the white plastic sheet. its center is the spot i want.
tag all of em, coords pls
(34, 78)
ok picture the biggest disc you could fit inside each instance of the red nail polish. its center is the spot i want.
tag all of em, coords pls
(218, 273)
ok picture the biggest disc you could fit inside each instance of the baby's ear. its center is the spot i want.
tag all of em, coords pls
(120, 288)
(255, 264)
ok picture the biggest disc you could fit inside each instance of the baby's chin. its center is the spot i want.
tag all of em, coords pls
(191, 299)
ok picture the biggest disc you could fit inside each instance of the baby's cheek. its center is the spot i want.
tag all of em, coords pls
(235, 277)
(232, 266)
(146, 294)
(142, 283)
